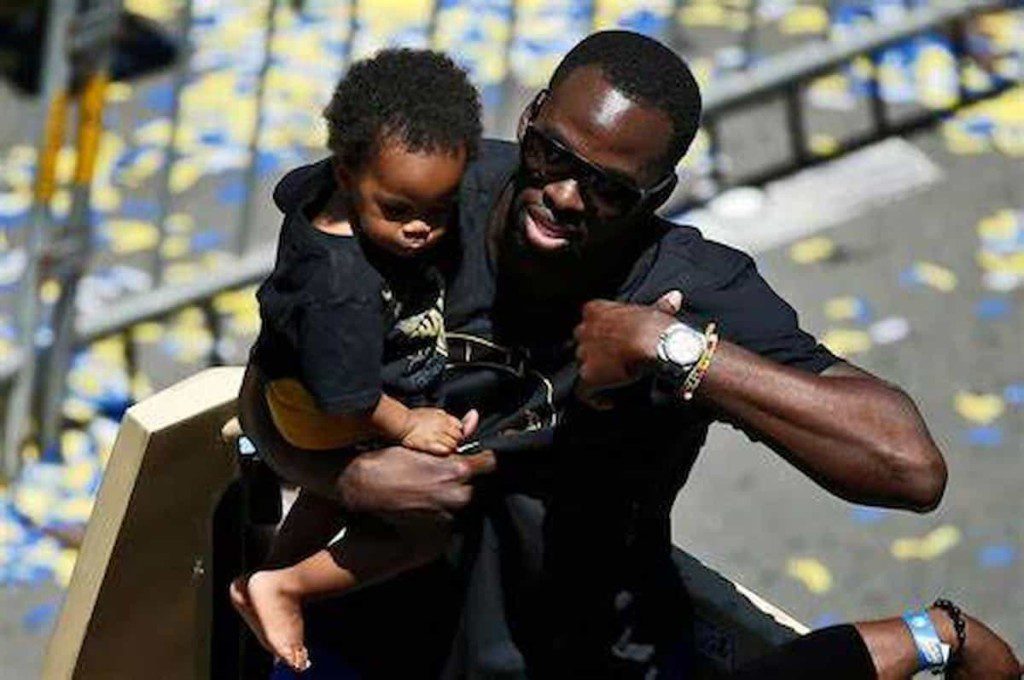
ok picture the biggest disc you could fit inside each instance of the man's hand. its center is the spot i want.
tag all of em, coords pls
(617, 343)
(432, 430)
(397, 479)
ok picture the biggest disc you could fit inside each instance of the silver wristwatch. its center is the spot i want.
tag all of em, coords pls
(679, 349)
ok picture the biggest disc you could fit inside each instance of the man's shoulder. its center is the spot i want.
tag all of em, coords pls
(683, 254)
(494, 162)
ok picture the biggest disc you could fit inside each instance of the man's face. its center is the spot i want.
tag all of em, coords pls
(589, 118)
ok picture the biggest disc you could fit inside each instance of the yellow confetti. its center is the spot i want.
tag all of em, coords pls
(936, 276)
(49, 291)
(77, 477)
(806, 20)
(812, 573)
(118, 92)
(180, 223)
(702, 14)
(64, 566)
(78, 410)
(816, 249)
(842, 308)
(175, 247)
(184, 175)
(823, 145)
(147, 333)
(979, 408)
(927, 547)
(131, 236)
(1008, 139)
(33, 502)
(845, 342)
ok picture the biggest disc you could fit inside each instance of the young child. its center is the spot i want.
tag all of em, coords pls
(352, 340)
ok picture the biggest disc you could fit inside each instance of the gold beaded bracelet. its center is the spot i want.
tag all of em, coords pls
(700, 369)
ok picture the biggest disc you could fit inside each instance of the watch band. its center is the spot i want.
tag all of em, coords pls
(932, 653)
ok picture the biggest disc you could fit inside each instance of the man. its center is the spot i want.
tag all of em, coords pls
(575, 579)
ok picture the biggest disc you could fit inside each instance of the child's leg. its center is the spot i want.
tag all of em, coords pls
(371, 550)
(310, 524)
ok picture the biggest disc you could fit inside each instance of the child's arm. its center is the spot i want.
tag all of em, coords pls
(426, 429)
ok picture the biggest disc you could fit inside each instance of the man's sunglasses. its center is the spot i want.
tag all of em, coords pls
(546, 159)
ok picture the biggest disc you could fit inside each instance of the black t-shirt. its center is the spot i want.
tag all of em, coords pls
(577, 577)
(342, 318)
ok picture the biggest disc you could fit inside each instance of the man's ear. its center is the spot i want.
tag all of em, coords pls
(663, 192)
(530, 112)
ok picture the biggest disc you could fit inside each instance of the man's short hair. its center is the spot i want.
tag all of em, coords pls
(419, 98)
(646, 72)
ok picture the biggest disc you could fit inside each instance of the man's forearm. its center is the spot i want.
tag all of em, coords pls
(859, 437)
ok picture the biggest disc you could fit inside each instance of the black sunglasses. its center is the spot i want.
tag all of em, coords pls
(547, 159)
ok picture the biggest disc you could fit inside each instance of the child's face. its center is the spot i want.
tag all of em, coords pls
(405, 201)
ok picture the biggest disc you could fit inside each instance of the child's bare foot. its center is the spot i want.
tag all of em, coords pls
(279, 614)
(239, 594)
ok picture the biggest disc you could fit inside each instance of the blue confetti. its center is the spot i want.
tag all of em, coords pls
(159, 97)
(39, 619)
(997, 556)
(1014, 394)
(139, 208)
(988, 436)
(206, 241)
(992, 308)
(266, 163)
(863, 514)
(232, 193)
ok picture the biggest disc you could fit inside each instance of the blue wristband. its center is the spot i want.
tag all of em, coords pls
(931, 652)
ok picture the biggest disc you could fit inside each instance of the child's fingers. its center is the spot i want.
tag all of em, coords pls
(469, 422)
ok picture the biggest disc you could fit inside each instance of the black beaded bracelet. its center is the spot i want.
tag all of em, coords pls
(959, 625)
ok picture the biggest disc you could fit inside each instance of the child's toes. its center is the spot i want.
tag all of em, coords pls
(300, 659)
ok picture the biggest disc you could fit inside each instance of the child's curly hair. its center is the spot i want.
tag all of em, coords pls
(419, 98)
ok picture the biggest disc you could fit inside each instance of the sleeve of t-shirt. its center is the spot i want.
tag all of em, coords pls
(750, 314)
(723, 285)
(340, 345)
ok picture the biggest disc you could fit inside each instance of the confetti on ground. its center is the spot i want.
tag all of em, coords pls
(848, 308)
(889, 330)
(930, 274)
(997, 556)
(816, 249)
(979, 408)
(815, 576)
(40, 619)
(992, 309)
(985, 436)
(865, 514)
(846, 342)
(928, 547)
(1014, 394)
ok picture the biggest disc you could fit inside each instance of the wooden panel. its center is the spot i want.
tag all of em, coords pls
(138, 603)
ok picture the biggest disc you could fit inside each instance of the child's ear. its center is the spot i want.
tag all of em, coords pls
(342, 175)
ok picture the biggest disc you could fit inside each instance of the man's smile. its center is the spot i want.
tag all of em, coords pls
(543, 232)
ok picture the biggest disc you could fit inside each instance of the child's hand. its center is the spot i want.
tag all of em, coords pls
(432, 430)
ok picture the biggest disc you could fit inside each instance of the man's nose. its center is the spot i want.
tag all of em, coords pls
(564, 195)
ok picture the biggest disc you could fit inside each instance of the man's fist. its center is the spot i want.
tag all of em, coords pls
(616, 343)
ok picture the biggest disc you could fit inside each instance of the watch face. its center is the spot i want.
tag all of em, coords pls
(684, 347)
